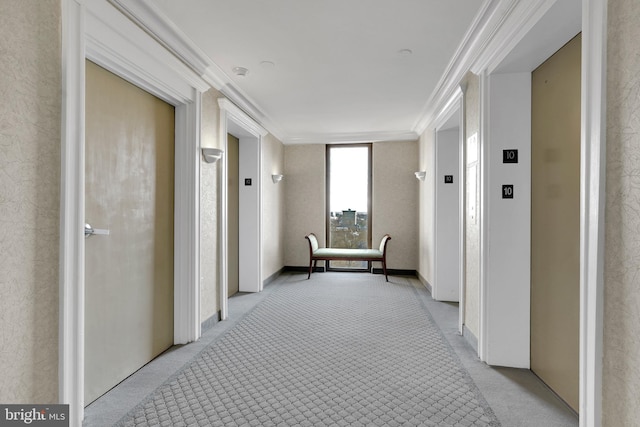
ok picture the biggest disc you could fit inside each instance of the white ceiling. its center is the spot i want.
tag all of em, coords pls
(339, 73)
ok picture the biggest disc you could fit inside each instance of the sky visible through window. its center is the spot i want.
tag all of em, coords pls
(349, 179)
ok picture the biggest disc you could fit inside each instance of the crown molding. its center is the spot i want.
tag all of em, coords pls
(519, 19)
(146, 16)
(498, 27)
(249, 108)
(347, 138)
(242, 118)
(116, 43)
(449, 107)
(165, 32)
(481, 29)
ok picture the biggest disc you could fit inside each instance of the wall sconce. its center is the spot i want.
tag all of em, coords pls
(421, 175)
(276, 178)
(211, 155)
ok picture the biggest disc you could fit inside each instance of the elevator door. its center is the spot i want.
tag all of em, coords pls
(555, 222)
(129, 188)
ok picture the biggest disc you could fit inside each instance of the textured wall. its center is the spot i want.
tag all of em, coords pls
(395, 202)
(472, 232)
(426, 210)
(272, 206)
(621, 386)
(209, 207)
(304, 200)
(30, 87)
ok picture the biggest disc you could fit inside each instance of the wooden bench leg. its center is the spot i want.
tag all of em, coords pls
(313, 264)
(384, 270)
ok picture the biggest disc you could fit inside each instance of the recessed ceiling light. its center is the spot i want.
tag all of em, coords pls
(240, 71)
(405, 52)
(267, 65)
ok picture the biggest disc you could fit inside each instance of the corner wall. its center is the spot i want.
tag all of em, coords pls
(426, 206)
(395, 202)
(209, 208)
(508, 222)
(273, 208)
(304, 200)
(30, 83)
(472, 230)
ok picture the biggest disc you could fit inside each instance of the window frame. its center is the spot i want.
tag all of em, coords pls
(329, 147)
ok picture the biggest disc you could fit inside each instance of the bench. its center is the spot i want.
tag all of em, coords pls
(339, 254)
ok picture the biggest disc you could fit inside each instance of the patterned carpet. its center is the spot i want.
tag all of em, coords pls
(337, 350)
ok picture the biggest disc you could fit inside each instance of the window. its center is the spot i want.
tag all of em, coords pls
(349, 201)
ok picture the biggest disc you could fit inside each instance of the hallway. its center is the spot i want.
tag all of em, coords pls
(350, 304)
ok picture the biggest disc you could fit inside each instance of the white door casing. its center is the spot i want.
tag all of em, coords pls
(96, 30)
(448, 253)
(237, 123)
(530, 33)
(592, 195)
(592, 21)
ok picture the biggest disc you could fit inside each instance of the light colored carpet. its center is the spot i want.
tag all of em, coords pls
(351, 352)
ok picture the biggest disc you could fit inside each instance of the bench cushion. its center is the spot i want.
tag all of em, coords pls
(348, 253)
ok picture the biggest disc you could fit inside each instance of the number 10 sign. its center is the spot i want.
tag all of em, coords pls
(507, 191)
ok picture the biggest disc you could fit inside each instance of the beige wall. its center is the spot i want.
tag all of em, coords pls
(395, 202)
(426, 206)
(30, 84)
(304, 200)
(622, 246)
(209, 207)
(472, 231)
(273, 208)
(272, 201)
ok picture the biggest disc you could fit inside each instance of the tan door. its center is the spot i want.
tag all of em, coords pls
(233, 214)
(129, 192)
(555, 222)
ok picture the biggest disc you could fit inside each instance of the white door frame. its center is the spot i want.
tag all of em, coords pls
(95, 30)
(236, 122)
(455, 105)
(452, 108)
(592, 207)
(592, 191)
(462, 185)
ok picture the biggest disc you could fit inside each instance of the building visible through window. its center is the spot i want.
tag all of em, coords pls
(348, 200)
